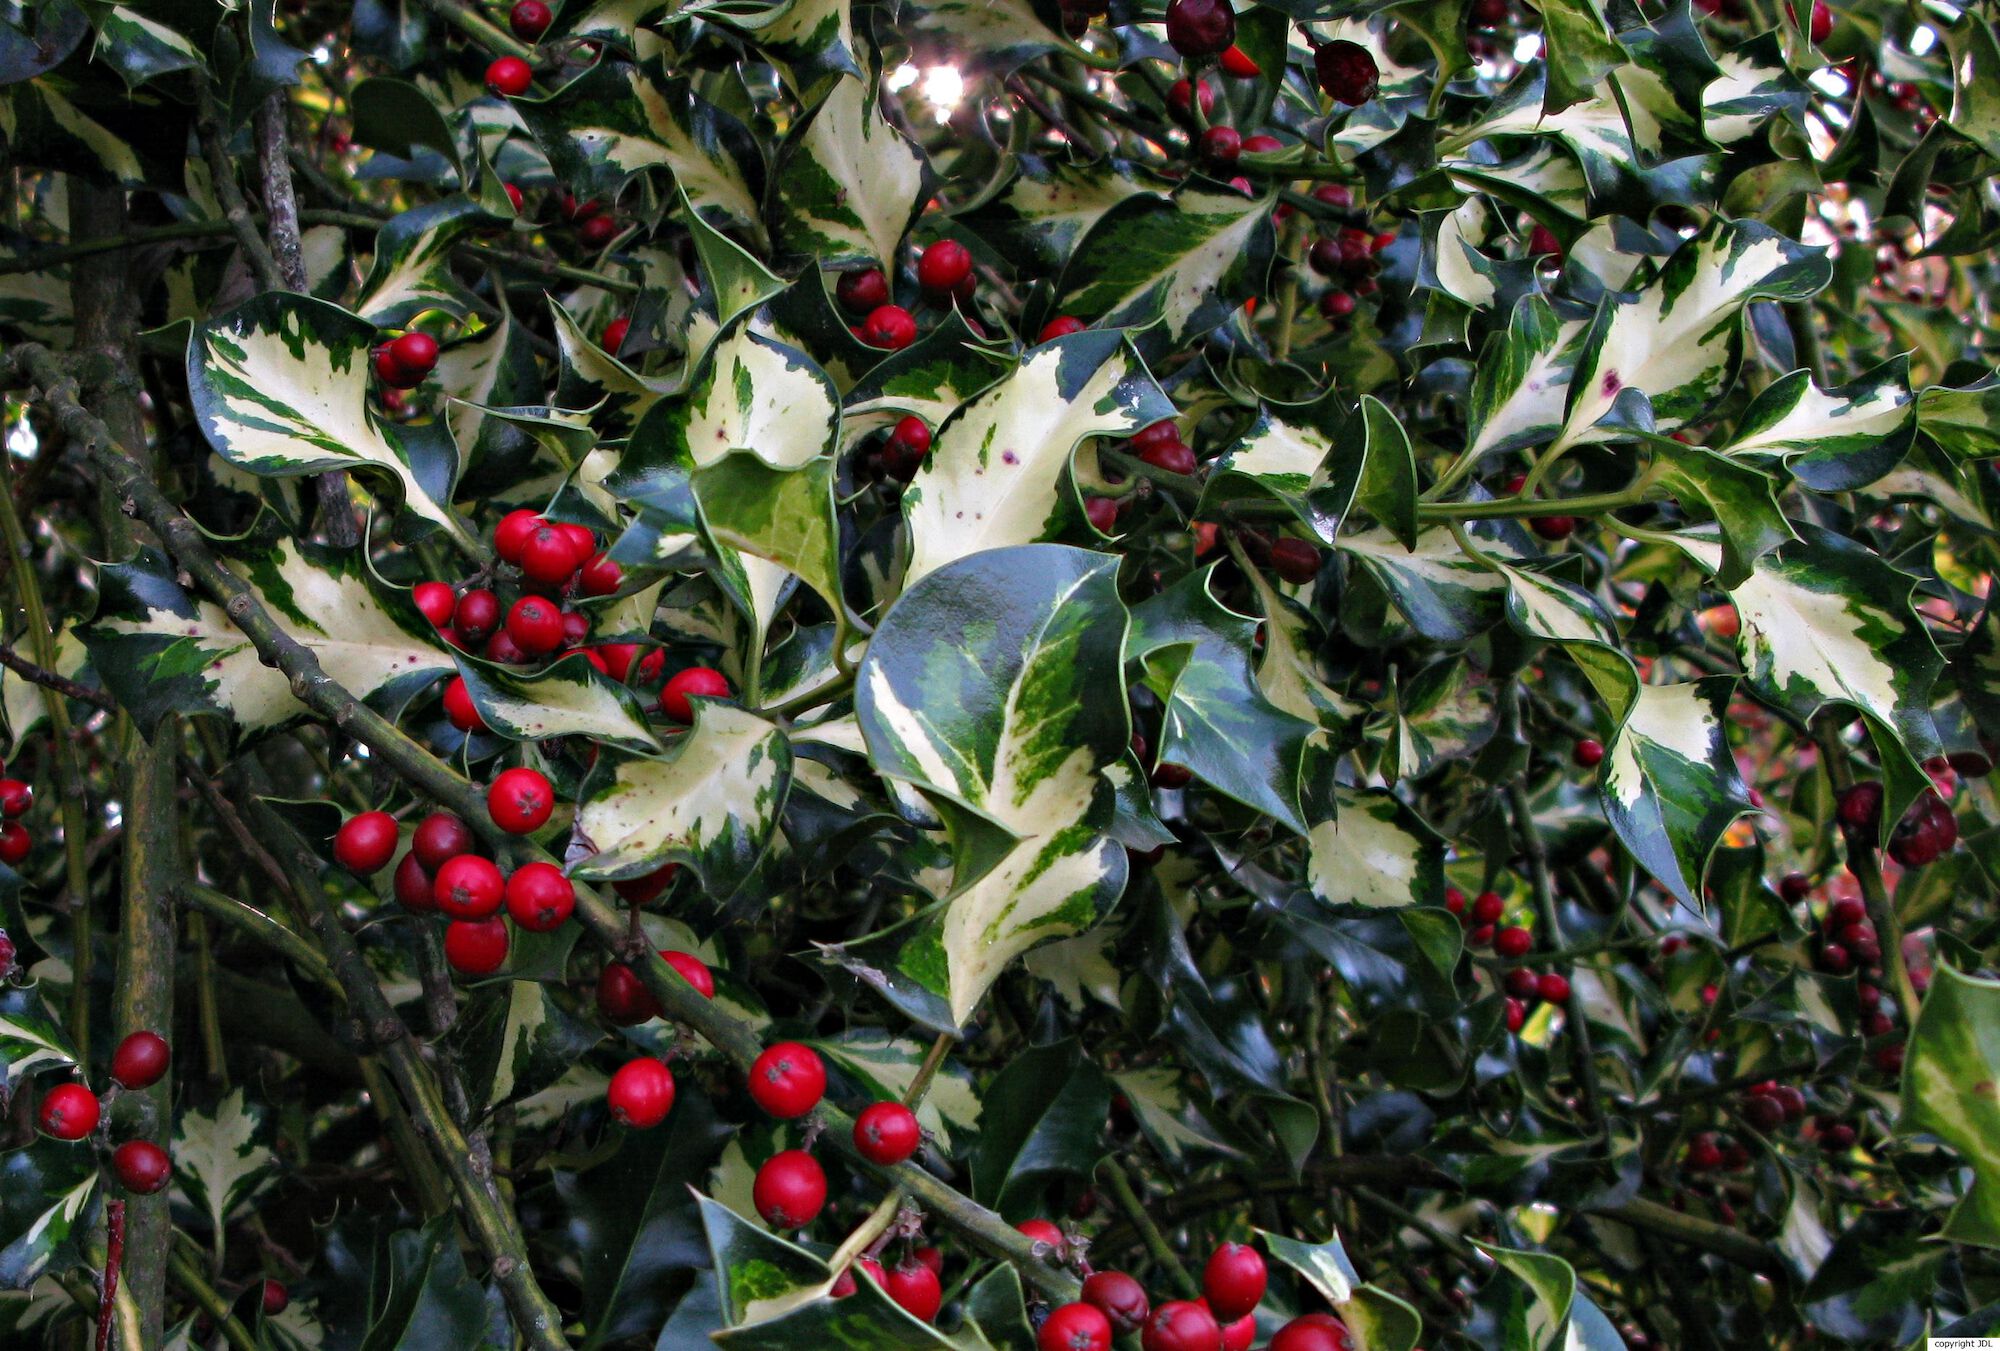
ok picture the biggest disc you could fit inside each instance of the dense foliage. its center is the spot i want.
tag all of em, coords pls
(1354, 630)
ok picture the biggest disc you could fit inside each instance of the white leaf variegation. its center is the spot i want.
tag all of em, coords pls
(1374, 851)
(1670, 783)
(1832, 439)
(711, 802)
(995, 473)
(570, 698)
(220, 1157)
(849, 183)
(1446, 595)
(280, 387)
(159, 650)
(1186, 261)
(986, 687)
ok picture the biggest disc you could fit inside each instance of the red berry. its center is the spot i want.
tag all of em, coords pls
(511, 534)
(889, 326)
(1516, 1014)
(7, 955)
(142, 1167)
(1523, 983)
(581, 537)
(1587, 753)
(1479, 936)
(501, 647)
(1181, 1325)
(1794, 887)
(391, 373)
(1845, 912)
(141, 1060)
(943, 266)
(1102, 513)
(1346, 71)
(1513, 941)
(1233, 1281)
(1181, 95)
(509, 76)
(623, 998)
(647, 888)
(1487, 907)
(1237, 62)
(539, 897)
(886, 1133)
(529, 19)
(1294, 560)
(1553, 988)
(1553, 527)
(436, 601)
(1454, 900)
(1261, 144)
(1120, 1298)
(574, 211)
(692, 969)
(1075, 1327)
(1822, 22)
(618, 658)
(913, 433)
(1313, 1332)
(276, 1298)
(914, 1286)
(1200, 27)
(364, 844)
(520, 800)
(862, 292)
(598, 231)
(641, 1093)
(439, 838)
(843, 1286)
(478, 612)
(1174, 457)
(1043, 1232)
(701, 682)
(535, 625)
(1336, 305)
(1220, 147)
(549, 555)
(1860, 807)
(788, 1080)
(613, 336)
(1703, 1154)
(790, 1190)
(1164, 432)
(931, 1258)
(600, 577)
(1237, 1336)
(468, 887)
(69, 1112)
(1060, 327)
(416, 353)
(415, 891)
(514, 196)
(1764, 1115)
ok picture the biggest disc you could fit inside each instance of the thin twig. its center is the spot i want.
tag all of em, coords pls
(1156, 1243)
(214, 134)
(63, 685)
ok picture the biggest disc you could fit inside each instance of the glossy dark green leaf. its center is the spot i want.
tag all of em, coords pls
(1044, 1118)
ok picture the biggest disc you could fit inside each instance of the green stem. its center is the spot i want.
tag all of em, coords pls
(1729, 1244)
(488, 35)
(189, 1278)
(255, 923)
(1866, 867)
(927, 1071)
(1588, 504)
(1156, 1243)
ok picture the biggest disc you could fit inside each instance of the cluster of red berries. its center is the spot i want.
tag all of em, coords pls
(16, 797)
(1349, 255)
(1481, 921)
(1768, 1105)
(72, 1112)
(1524, 985)
(442, 874)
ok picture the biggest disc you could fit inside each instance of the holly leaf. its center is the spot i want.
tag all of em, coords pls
(1670, 783)
(1038, 211)
(568, 698)
(1836, 439)
(281, 388)
(1378, 1318)
(1369, 848)
(1447, 596)
(1043, 1119)
(433, 1301)
(220, 1157)
(848, 182)
(986, 687)
(995, 472)
(712, 801)
(1948, 1091)
(31, 1035)
(160, 650)
(887, 1066)
(514, 1041)
(1185, 262)
(412, 269)
(48, 1197)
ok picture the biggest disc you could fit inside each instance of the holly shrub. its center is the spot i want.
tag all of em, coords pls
(1007, 675)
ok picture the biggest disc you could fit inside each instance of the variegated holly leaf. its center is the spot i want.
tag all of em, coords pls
(220, 1157)
(1948, 1083)
(1837, 439)
(1517, 390)
(1580, 51)
(995, 473)
(776, 1296)
(412, 269)
(848, 182)
(993, 685)
(1447, 595)
(1377, 1318)
(1965, 421)
(1368, 847)
(140, 48)
(1000, 34)
(810, 41)
(1289, 671)
(570, 698)
(1174, 1123)
(1288, 456)
(928, 379)
(711, 802)
(1742, 499)
(1670, 782)
(48, 1197)
(280, 386)
(1677, 340)
(494, 371)
(591, 378)
(1545, 607)
(1187, 262)
(25, 703)
(31, 1036)
(1036, 213)
(160, 650)
(514, 1041)
(618, 120)
(1443, 713)
(885, 1067)
(1196, 655)
(1534, 1299)
(735, 279)
(1826, 620)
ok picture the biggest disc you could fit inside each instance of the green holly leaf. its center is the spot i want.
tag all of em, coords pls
(1536, 1294)
(433, 1300)
(1174, 1123)
(159, 650)
(1378, 1320)
(568, 698)
(1670, 782)
(810, 41)
(1196, 654)
(31, 1035)
(1948, 1092)
(712, 801)
(1448, 596)
(1965, 421)
(281, 388)
(996, 470)
(1975, 68)
(398, 118)
(1186, 262)
(1742, 499)
(1043, 1119)
(48, 1198)
(140, 48)
(985, 687)
(848, 182)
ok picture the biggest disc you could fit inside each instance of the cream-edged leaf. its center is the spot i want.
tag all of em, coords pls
(1372, 850)
(1187, 261)
(849, 183)
(570, 698)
